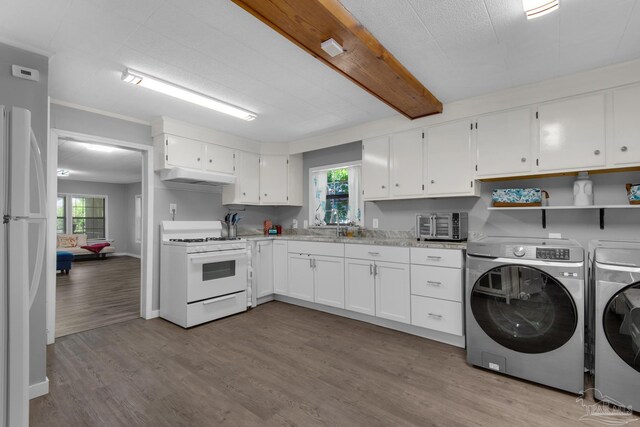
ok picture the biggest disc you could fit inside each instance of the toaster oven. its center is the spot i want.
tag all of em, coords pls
(442, 226)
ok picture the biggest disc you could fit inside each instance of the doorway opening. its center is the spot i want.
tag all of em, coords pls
(100, 232)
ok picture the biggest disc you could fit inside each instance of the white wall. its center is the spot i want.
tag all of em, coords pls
(34, 97)
(132, 190)
(119, 222)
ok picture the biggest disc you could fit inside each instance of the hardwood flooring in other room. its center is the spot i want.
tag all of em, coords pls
(97, 293)
(280, 364)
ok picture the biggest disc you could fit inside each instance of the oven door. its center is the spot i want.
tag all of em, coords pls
(442, 227)
(213, 274)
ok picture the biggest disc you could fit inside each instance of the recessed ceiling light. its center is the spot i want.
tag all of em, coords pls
(332, 47)
(98, 147)
(63, 172)
(538, 8)
(171, 89)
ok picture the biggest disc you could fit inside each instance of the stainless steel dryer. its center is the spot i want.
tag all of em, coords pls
(617, 322)
(525, 309)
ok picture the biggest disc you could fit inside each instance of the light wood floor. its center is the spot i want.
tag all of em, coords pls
(97, 293)
(280, 364)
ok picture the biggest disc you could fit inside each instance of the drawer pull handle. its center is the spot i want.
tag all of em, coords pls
(429, 282)
(434, 257)
(374, 253)
(435, 316)
(224, 298)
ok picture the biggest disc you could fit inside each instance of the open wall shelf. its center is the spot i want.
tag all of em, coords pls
(544, 209)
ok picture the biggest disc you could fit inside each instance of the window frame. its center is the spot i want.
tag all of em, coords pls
(69, 211)
(311, 216)
(64, 215)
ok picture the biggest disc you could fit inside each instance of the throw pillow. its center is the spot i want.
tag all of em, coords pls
(67, 241)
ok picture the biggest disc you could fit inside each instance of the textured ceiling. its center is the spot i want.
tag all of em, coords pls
(118, 166)
(456, 48)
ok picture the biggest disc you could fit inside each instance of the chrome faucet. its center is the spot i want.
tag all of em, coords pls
(334, 216)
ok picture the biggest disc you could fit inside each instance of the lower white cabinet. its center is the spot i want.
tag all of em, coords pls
(280, 267)
(393, 291)
(329, 280)
(264, 268)
(360, 294)
(437, 314)
(301, 276)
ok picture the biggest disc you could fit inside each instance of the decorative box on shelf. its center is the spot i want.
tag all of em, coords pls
(519, 197)
(633, 193)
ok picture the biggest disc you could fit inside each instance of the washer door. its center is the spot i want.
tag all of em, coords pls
(621, 322)
(523, 309)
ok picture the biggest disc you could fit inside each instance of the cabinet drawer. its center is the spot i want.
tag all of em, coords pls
(436, 282)
(437, 257)
(436, 314)
(215, 308)
(316, 248)
(377, 253)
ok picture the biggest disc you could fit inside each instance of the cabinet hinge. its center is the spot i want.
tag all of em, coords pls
(471, 126)
(287, 197)
(536, 114)
(234, 155)
(537, 162)
(287, 161)
(422, 187)
(166, 141)
(471, 184)
(476, 168)
(422, 135)
(476, 125)
(234, 168)
(166, 157)
(363, 192)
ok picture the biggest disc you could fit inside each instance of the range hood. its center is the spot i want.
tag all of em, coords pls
(192, 176)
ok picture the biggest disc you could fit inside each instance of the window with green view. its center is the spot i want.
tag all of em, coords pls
(337, 196)
(88, 216)
(61, 226)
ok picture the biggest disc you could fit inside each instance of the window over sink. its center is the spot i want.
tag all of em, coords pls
(335, 195)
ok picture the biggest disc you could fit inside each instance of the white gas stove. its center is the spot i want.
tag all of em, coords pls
(203, 276)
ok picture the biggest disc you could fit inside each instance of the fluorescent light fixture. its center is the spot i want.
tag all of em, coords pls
(538, 8)
(101, 148)
(63, 172)
(332, 47)
(162, 86)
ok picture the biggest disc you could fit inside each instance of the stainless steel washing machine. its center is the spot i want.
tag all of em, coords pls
(525, 309)
(617, 322)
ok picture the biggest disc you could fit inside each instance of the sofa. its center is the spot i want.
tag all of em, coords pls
(73, 243)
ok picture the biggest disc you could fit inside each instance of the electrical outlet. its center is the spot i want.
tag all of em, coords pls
(173, 207)
(375, 222)
(294, 224)
(305, 224)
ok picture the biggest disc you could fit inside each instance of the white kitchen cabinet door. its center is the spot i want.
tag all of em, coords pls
(183, 152)
(626, 132)
(295, 180)
(504, 142)
(572, 133)
(448, 159)
(375, 167)
(274, 172)
(264, 271)
(329, 280)
(406, 164)
(248, 178)
(360, 294)
(220, 159)
(280, 267)
(393, 291)
(301, 276)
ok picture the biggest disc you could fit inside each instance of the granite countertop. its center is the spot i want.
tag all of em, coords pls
(362, 241)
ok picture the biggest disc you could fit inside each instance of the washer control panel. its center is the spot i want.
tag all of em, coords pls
(559, 254)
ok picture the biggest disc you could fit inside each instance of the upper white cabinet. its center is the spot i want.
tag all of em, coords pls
(220, 159)
(246, 190)
(572, 133)
(375, 168)
(182, 152)
(504, 142)
(406, 164)
(274, 174)
(295, 180)
(448, 159)
(625, 148)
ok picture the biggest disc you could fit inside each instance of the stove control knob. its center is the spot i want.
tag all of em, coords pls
(519, 251)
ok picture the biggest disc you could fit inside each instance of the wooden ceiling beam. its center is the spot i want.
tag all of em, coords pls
(308, 23)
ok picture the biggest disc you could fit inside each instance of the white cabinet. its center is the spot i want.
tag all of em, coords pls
(360, 294)
(436, 314)
(375, 168)
(301, 276)
(448, 159)
(625, 148)
(263, 271)
(329, 280)
(183, 152)
(274, 173)
(280, 267)
(393, 291)
(406, 164)
(246, 190)
(572, 133)
(220, 159)
(504, 143)
(295, 180)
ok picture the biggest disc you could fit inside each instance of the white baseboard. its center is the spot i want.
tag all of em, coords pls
(125, 254)
(153, 314)
(39, 389)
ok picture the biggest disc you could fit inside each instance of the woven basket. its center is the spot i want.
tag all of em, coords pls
(633, 193)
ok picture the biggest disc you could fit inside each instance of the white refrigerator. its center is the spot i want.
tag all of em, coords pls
(22, 249)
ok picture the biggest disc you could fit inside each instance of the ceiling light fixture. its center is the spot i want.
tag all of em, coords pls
(167, 88)
(102, 148)
(63, 172)
(538, 8)
(332, 47)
